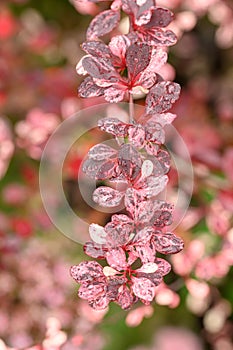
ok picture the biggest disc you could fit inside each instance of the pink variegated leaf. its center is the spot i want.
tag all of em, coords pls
(114, 284)
(147, 168)
(118, 233)
(154, 132)
(119, 219)
(159, 169)
(118, 46)
(97, 49)
(151, 148)
(143, 288)
(107, 196)
(113, 126)
(160, 17)
(101, 152)
(162, 96)
(156, 278)
(162, 213)
(149, 267)
(154, 185)
(144, 12)
(131, 201)
(125, 298)
(129, 161)
(145, 210)
(94, 250)
(158, 59)
(137, 59)
(87, 271)
(168, 243)
(162, 119)
(165, 161)
(91, 291)
(97, 233)
(129, 6)
(136, 134)
(99, 304)
(91, 167)
(146, 252)
(163, 266)
(103, 24)
(115, 94)
(100, 68)
(89, 89)
(106, 170)
(116, 258)
(144, 235)
(158, 37)
(116, 5)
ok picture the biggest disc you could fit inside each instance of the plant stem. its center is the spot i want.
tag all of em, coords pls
(131, 109)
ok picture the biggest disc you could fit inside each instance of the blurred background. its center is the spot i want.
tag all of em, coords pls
(39, 49)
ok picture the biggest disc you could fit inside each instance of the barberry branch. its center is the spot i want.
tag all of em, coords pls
(128, 65)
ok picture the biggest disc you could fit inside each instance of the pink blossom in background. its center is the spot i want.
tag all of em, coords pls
(34, 131)
(8, 25)
(6, 146)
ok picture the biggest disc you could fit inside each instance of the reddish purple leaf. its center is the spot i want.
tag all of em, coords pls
(116, 258)
(103, 24)
(94, 250)
(168, 243)
(87, 271)
(97, 49)
(162, 96)
(101, 152)
(107, 196)
(143, 288)
(113, 126)
(89, 89)
(160, 17)
(137, 59)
